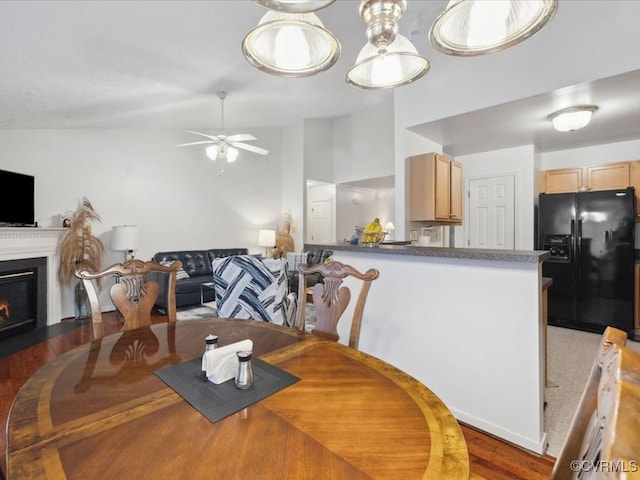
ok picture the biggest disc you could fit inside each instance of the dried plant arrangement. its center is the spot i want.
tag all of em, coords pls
(78, 247)
(284, 241)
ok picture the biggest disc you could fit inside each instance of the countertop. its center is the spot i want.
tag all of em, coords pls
(520, 256)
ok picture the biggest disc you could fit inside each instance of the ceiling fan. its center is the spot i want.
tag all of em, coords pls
(225, 147)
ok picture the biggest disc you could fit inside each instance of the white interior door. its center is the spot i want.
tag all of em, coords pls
(492, 213)
(321, 221)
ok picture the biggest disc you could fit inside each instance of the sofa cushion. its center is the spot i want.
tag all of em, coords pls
(180, 274)
(225, 252)
(192, 284)
(194, 262)
(294, 259)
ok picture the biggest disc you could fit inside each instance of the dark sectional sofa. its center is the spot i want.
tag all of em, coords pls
(197, 263)
(314, 256)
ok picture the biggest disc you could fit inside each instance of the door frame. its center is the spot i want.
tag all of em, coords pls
(467, 209)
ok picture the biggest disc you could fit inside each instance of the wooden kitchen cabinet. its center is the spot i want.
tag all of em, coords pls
(598, 177)
(563, 180)
(435, 188)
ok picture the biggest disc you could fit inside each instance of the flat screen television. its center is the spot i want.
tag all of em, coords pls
(17, 208)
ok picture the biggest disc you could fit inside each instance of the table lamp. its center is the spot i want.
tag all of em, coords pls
(125, 238)
(267, 239)
(389, 228)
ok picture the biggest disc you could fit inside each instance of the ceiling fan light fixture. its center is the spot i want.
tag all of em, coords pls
(476, 27)
(572, 118)
(294, 6)
(291, 45)
(388, 59)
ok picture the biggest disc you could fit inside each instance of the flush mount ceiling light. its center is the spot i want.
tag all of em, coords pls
(388, 59)
(476, 27)
(291, 45)
(572, 118)
(294, 6)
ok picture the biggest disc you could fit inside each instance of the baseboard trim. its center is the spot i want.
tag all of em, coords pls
(537, 447)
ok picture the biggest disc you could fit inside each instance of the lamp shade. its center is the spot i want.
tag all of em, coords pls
(267, 238)
(124, 237)
(572, 118)
(475, 27)
(394, 66)
(389, 227)
(294, 6)
(290, 45)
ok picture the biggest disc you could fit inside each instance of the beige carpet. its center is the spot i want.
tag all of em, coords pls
(570, 357)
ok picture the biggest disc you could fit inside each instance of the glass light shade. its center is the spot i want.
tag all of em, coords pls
(222, 151)
(572, 118)
(291, 45)
(476, 27)
(124, 238)
(398, 65)
(267, 238)
(294, 6)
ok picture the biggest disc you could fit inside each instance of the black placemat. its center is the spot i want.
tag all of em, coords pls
(218, 401)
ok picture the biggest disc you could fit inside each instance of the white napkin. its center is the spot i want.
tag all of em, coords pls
(221, 364)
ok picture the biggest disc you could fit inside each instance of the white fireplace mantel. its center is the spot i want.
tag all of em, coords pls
(27, 242)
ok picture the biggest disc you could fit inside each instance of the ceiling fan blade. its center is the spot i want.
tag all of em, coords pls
(241, 137)
(250, 148)
(195, 143)
(212, 137)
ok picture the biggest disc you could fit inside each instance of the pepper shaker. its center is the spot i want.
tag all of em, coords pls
(210, 342)
(244, 377)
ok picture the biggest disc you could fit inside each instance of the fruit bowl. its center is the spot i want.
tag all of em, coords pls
(373, 240)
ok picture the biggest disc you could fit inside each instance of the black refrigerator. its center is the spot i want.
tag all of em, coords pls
(590, 236)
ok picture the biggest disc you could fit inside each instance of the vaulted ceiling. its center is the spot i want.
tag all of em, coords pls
(159, 64)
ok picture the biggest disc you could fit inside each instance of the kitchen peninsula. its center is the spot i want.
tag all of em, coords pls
(465, 322)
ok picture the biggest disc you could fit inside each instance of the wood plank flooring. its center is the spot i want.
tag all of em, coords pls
(491, 459)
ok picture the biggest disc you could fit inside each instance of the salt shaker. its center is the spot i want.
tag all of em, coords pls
(244, 377)
(210, 342)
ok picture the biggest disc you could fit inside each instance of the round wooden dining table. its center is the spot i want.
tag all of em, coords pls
(100, 412)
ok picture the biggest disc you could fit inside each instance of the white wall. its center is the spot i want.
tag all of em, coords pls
(318, 150)
(364, 143)
(596, 155)
(293, 183)
(138, 177)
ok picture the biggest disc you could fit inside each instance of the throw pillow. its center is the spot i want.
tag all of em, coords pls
(294, 259)
(250, 287)
(181, 273)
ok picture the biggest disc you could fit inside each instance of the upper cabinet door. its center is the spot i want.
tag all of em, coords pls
(435, 189)
(443, 188)
(456, 191)
(564, 180)
(608, 177)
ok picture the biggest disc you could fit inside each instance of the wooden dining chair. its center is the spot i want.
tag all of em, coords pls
(134, 293)
(603, 436)
(331, 298)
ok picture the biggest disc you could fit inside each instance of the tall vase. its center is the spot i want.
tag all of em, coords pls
(81, 304)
